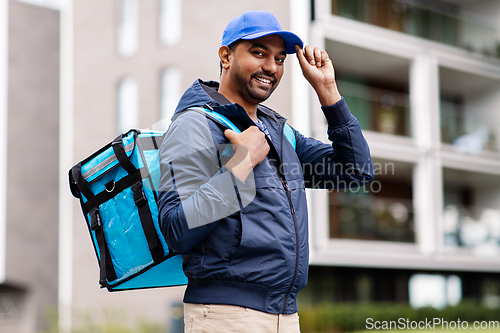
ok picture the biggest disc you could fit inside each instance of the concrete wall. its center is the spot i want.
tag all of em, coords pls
(32, 180)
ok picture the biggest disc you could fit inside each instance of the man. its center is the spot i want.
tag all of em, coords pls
(239, 215)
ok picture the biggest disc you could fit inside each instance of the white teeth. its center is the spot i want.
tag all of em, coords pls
(263, 80)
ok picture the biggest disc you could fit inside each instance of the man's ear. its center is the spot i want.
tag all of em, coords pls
(225, 56)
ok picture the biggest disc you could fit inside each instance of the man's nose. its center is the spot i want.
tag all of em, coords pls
(270, 66)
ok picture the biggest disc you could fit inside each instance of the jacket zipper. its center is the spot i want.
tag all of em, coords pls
(289, 196)
(292, 209)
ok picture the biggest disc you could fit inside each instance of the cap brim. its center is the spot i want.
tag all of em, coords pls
(290, 39)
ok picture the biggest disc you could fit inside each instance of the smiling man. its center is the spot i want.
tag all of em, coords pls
(256, 70)
(239, 215)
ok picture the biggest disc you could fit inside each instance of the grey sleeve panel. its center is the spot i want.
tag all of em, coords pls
(207, 193)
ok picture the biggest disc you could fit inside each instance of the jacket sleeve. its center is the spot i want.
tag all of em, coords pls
(346, 163)
(194, 192)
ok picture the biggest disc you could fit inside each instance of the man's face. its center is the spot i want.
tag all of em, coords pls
(256, 67)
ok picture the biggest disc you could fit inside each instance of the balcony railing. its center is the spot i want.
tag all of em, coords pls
(476, 228)
(377, 109)
(371, 217)
(466, 131)
(438, 21)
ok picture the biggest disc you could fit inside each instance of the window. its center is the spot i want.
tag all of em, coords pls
(470, 25)
(127, 27)
(375, 86)
(128, 105)
(470, 122)
(382, 210)
(471, 217)
(170, 87)
(434, 290)
(170, 21)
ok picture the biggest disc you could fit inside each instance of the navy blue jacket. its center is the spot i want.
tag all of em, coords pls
(246, 243)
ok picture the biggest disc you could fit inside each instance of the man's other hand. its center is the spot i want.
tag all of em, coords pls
(250, 147)
(318, 70)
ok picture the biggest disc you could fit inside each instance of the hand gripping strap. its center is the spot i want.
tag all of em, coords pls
(223, 120)
(223, 124)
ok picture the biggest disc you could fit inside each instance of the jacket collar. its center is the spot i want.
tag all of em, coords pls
(205, 93)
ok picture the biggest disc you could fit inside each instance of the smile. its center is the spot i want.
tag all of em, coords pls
(266, 81)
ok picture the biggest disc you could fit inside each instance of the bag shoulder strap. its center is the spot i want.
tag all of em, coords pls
(290, 135)
(287, 129)
(217, 117)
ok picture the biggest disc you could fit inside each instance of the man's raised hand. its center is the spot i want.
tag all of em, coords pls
(318, 70)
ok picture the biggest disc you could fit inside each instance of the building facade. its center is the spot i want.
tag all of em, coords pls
(422, 77)
(29, 242)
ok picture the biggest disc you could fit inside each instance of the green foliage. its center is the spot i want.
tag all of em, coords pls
(349, 317)
(112, 321)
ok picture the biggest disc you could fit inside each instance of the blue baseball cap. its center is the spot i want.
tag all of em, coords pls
(255, 24)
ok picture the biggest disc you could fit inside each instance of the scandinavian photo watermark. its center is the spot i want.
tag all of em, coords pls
(435, 323)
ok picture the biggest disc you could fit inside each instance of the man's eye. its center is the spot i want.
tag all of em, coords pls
(260, 53)
(280, 61)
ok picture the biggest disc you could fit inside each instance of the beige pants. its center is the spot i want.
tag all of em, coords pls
(214, 318)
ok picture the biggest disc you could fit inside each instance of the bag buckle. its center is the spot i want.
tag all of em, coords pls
(95, 219)
(139, 196)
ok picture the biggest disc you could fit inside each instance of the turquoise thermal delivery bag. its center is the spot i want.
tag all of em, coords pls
(117, 188)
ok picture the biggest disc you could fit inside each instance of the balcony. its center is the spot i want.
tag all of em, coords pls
(466, 24)
(428, 108)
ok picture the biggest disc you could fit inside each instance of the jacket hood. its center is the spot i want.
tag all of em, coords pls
(196, 95)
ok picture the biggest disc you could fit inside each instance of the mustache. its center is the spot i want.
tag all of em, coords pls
(271, 77)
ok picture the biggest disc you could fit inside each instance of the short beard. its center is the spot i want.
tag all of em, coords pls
(244, 86)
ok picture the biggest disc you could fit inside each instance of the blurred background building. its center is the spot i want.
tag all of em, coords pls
(29, 74)
(422, 77)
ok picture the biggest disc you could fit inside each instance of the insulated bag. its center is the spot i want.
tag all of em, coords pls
(117, 188)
